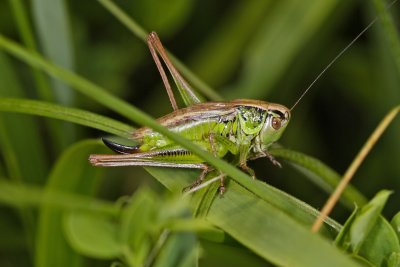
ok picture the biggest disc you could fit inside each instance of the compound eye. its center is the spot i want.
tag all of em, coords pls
(276, 123)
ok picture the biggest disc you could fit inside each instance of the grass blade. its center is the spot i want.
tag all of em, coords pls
(320, 174)
(355, 165)
(50, 17)
(85, 118)
(26, 33)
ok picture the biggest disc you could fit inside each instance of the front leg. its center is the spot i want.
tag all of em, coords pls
(261, 154)
(273, 160)
(243, 157)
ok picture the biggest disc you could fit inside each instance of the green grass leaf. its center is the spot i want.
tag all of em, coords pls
(85, 118)
(281, 220)
(320, 174)
(278, 237)
(52, 24)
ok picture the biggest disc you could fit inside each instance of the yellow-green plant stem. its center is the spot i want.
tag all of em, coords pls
(331, 202)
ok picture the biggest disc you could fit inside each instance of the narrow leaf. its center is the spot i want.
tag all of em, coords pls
(53, 29)
(52, 24)
(74, 115)
(320, 174)
(271, 233)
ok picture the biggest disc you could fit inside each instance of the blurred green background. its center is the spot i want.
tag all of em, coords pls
(260, 49)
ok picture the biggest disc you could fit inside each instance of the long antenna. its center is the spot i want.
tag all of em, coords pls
(338, 56)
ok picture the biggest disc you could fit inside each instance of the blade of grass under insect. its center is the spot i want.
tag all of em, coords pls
(259, 224)
(85, 118)
(389, 30)
(296, 209)
(138, 31)
(270, 233)
(320, 174)
(354, 166)
(100, 95)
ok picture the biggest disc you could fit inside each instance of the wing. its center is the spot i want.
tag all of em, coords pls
(210, 111)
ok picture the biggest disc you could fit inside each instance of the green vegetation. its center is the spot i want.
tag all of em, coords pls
(68, 64)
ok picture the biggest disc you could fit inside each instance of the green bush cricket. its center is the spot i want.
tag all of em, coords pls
(238, 130)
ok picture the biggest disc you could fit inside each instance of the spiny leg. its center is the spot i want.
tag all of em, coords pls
(243, 157)
(262, 154)
(199, 179)
(154, 43)
(187, 93)
(273, 160)
(222, 184)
